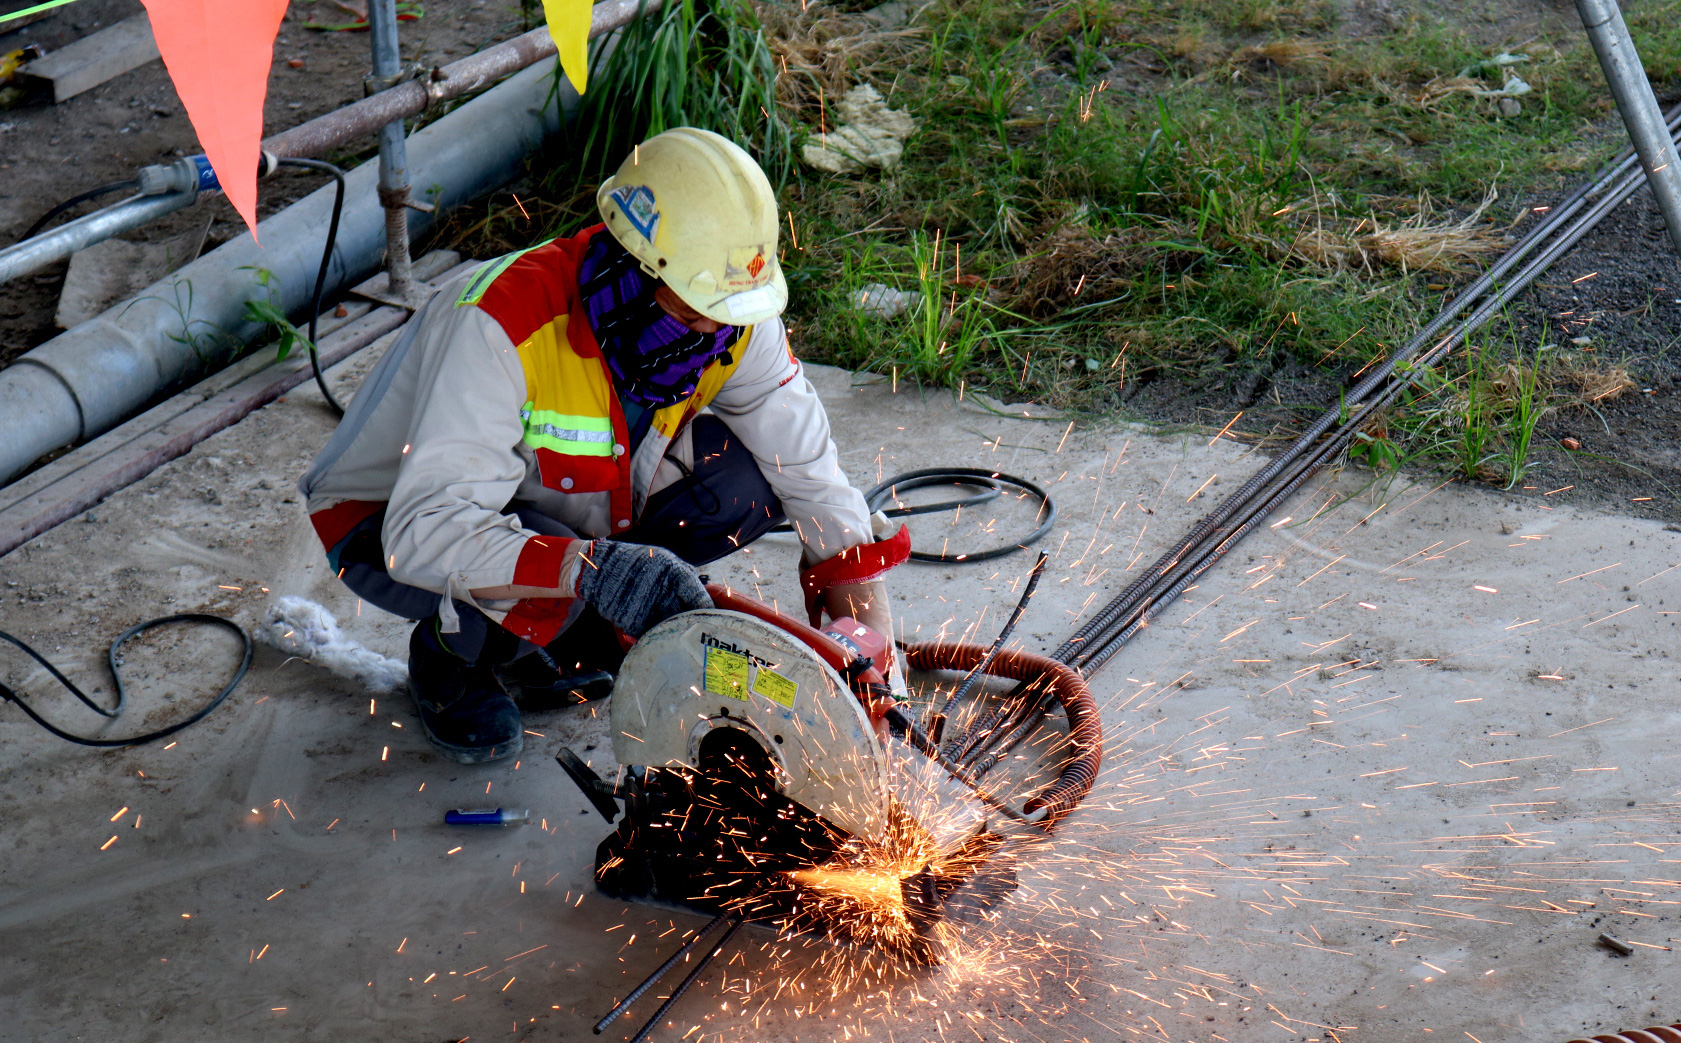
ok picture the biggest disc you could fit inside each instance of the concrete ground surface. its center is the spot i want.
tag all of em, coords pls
(1385, 775)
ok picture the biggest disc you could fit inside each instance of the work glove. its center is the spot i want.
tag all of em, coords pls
(635, 587)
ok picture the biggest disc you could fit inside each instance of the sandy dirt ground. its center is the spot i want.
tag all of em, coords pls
(1385, 775)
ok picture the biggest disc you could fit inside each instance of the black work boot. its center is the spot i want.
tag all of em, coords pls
(537, 684)
(462, 709)
(576, 667)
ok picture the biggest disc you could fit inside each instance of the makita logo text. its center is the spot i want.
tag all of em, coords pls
(727, 646)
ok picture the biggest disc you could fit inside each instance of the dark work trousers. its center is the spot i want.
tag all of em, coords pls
(723, 504)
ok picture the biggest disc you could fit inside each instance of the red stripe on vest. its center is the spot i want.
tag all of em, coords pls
(588, 474)
(538, 620)
(539, 286)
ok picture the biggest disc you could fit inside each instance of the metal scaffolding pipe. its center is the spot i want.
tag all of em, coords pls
(393, 154)
(1603, 20)
(59, 243)
(412, 97)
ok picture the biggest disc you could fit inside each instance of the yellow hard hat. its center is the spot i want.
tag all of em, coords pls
(700, 215)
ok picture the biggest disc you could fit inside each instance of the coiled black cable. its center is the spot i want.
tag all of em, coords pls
(9, 695)
(992, 483)
(990, 486)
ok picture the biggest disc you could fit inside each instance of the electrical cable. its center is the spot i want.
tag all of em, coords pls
(990, 486)
(92, 193)
(326, 259)
(937, 722)
(7, 694)
(996, 481)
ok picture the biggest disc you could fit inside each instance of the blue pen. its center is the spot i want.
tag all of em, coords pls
(486, 817)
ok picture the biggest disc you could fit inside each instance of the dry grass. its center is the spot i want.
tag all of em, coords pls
(1505, 387)
(1595, 382)
(1286, 53)
(821, 53)
(1072, 263)
(1428, 241)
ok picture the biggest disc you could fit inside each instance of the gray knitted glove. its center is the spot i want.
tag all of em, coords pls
(635, 586)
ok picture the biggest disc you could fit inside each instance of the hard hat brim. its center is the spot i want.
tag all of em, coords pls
(746, 308)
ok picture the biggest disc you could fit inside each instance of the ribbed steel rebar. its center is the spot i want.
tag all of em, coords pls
(985, 742)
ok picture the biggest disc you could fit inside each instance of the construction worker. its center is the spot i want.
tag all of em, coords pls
(558, 438)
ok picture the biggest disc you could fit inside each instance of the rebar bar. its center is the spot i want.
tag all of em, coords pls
(985, 743)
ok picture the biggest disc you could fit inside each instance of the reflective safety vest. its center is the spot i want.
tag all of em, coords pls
(572, 417)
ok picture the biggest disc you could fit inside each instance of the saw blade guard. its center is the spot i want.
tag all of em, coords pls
(711, 669)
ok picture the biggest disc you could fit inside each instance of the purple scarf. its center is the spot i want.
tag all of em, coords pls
(656, 360)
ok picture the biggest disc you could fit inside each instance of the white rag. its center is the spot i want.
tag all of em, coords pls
(300, 627)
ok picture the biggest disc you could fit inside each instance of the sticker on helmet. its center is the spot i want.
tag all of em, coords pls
(637, 203)
(746, 261)
(748, 302)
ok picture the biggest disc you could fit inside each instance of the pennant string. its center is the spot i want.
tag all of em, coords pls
(26, 12)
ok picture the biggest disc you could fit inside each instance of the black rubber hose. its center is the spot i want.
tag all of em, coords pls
(991, 486)
(92, 193)
(937, 723)
(7, 694)
(326, 260)
(969, 476)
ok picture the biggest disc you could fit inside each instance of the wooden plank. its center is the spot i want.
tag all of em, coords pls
(95, 58)
(65, 493)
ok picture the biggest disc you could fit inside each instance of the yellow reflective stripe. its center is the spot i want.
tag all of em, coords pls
(567, 433)
(568, 405)
(481, 280)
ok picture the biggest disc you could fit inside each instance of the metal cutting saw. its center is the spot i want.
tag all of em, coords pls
(770, 772)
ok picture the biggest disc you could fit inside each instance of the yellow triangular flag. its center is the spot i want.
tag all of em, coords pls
(569, 24)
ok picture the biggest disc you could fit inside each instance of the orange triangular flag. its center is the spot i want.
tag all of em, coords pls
(218, 53)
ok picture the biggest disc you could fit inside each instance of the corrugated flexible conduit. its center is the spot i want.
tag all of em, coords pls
(1655, 1034)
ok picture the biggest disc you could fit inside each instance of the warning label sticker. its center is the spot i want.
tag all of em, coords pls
(726, 673)
(776, 688)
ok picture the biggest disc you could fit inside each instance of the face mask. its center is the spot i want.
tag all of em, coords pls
(655, 360)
